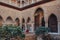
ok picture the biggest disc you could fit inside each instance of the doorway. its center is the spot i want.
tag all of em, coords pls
(39, 18)
(52, 23)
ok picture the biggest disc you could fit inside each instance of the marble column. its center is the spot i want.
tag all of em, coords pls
(32, 27)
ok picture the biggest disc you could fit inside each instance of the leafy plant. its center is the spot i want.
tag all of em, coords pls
(11, 31)
(42, 30)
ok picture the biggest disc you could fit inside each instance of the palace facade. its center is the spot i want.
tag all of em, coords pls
(30, 14)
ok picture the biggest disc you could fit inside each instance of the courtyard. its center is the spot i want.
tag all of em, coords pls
(29, 16)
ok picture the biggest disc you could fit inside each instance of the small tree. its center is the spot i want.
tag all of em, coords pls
(42, 31)
(11, 31)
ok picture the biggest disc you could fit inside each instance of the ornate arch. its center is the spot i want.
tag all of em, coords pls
(17, 21)
(9, 18)
(53, 23)
(1, 20)
(39, 18)
(28, 19)
(23, 24)
(23, 20)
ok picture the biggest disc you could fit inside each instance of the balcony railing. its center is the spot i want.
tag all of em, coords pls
(20, 3)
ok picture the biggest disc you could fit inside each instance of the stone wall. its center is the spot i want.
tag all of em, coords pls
(49, 8)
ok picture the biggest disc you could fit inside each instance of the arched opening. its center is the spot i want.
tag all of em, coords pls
(39, 18)
(23, 20)
(52, 23)
(23, 24)
(28, 20)
(9, 20)
(1, 20)
(43, 22)
(28, 25)
(17, 21)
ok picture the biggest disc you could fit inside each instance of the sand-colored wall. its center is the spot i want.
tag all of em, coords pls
(49, 8)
